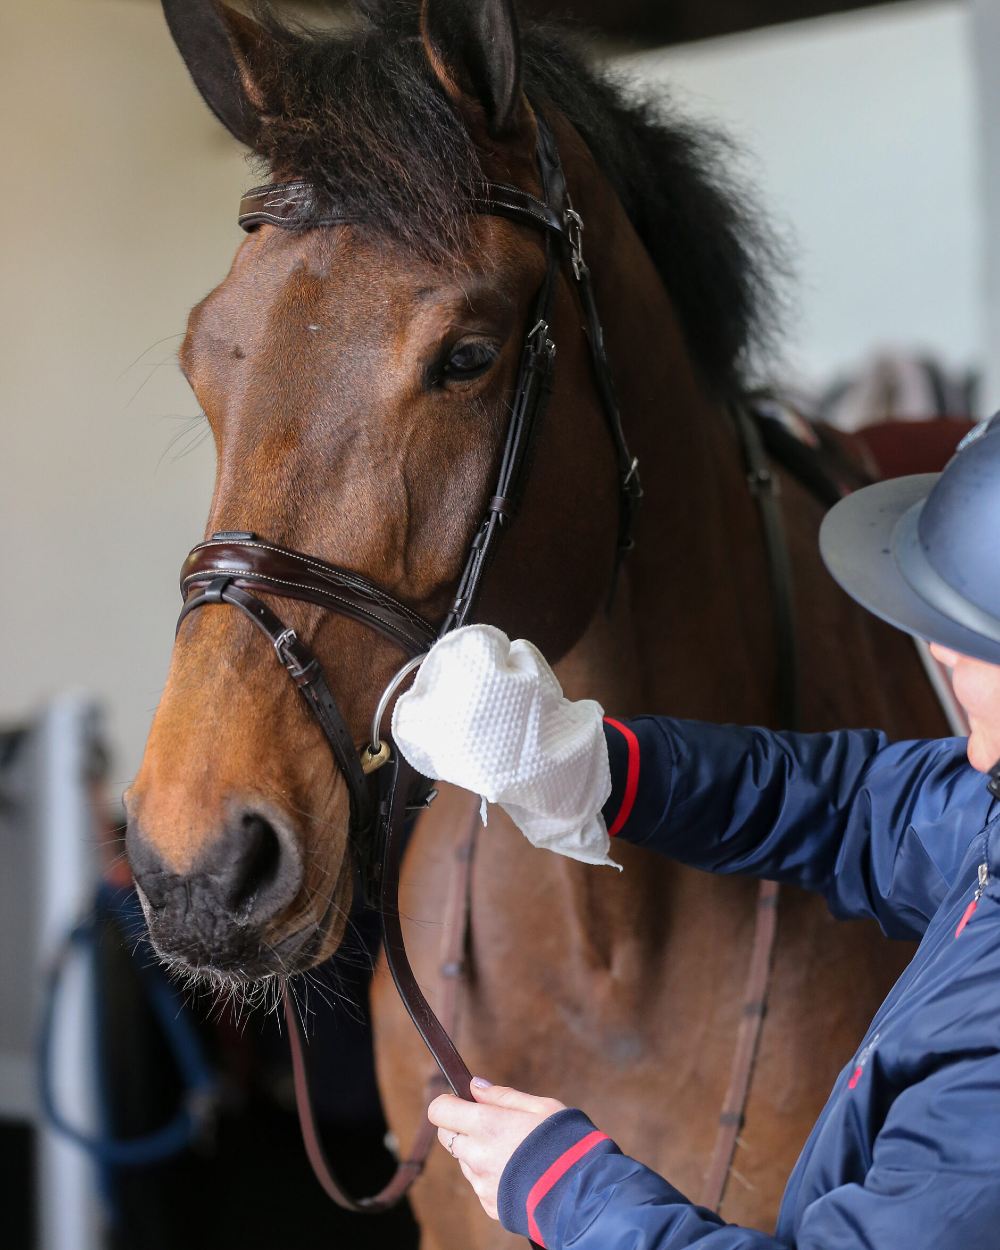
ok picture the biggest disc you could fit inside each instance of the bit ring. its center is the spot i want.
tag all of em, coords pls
(383, 703)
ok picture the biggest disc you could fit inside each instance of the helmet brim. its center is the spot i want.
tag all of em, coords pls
(876, 560)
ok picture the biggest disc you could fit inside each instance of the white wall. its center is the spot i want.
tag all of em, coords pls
(123, 214)
(863, 141)
(984, 24)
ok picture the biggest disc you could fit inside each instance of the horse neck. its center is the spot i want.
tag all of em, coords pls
(690, 631)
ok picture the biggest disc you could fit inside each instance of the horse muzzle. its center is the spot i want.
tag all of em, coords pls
(222, 913)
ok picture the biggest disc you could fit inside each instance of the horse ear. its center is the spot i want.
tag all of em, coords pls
(219, 46)
(475, 50)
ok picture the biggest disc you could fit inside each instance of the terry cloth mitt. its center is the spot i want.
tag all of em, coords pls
(488, 714)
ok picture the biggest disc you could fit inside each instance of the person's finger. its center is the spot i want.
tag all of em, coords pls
(512, 1099)
(458, 1114)
(484, 1187)
(474, 1154)
(448, 1137)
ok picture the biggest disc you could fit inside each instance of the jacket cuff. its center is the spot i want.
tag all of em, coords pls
(624, 759)
(530, 1181)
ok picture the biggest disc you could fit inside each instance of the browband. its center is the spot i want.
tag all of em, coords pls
(298, 206)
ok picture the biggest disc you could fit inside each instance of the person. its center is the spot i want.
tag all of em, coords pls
(905, 1153)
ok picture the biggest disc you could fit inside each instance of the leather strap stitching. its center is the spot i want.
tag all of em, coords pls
(324, 568)
(265, 578)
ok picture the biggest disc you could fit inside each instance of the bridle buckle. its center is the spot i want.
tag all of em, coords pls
(283, 649)
(574, 235)
(539, 339)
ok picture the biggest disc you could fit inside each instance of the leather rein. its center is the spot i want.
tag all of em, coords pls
(234, 567)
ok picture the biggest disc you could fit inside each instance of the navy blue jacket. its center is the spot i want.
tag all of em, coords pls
(906, 1153)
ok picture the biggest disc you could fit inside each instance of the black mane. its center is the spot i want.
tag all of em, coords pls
(359, 114)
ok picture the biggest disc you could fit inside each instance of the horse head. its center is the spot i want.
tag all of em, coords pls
(357, 379)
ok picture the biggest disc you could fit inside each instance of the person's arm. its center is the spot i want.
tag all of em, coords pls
(932, 1184)
(569, 1185)
(877, 828)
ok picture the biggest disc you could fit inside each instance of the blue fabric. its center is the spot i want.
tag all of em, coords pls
(556, 1135)
(909, 1157)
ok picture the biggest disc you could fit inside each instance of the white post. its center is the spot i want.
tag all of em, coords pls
(68, 1211)
(985, 52)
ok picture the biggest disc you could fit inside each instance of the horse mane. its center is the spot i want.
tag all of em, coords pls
(358, 113)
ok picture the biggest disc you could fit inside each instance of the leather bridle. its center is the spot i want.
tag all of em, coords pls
(235, 567)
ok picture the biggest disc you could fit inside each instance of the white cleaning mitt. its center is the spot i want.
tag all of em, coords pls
(488, 714)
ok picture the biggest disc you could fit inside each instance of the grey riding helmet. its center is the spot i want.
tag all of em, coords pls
(923, 552)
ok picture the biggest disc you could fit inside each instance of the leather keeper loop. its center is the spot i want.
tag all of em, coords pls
(503, 506)
(213, 591)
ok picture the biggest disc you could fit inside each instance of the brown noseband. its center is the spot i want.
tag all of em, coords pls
(224, 570)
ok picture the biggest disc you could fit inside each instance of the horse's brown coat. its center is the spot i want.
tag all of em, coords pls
(621, 994)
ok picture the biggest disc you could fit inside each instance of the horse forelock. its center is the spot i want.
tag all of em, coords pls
(361, 115)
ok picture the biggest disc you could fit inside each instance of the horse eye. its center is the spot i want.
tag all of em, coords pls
(468, 359)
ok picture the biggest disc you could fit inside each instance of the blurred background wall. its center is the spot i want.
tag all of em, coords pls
(860, 135)
(860, 132)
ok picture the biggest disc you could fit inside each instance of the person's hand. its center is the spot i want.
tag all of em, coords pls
(489, 715)
(483, 1135)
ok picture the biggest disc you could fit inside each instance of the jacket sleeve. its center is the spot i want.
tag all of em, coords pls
(932, 1183)
(568, 1185)
(879, 828)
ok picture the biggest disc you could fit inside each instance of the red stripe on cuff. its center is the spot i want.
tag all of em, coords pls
(555, 1172)
(631, 776)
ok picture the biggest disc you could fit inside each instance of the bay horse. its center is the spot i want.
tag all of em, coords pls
(356, 378)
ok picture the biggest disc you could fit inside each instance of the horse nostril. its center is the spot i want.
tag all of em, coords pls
(215, 910)
(257, 868)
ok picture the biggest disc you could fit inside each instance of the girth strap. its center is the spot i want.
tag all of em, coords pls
(764, 488)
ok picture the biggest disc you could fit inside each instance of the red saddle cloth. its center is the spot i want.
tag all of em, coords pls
(898, 448)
